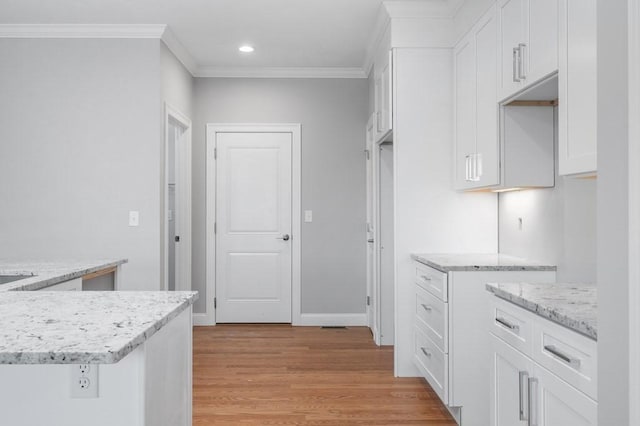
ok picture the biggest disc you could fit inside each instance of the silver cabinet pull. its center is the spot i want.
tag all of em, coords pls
(478, 166)
(523, 385)
(426, 278)
(533, 401)
(521, 73)
(426, 352)
(370, 240)
(574, 362)
(507, 324)
(285, 237)
(467, 173)
(516, 61)
(426, 307)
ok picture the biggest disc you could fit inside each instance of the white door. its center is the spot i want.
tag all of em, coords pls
(253, 227)
(371, 254)
(510, 371)
(386, 259)
(556, 403)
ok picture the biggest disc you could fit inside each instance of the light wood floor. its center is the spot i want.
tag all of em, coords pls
(278, 374)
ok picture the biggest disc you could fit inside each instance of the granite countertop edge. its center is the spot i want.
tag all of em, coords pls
(49, 278)
(482, 268)
(109, 357)
(545, 312)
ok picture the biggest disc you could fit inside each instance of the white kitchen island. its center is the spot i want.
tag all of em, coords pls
(96, 358)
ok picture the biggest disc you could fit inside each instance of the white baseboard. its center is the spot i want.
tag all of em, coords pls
(202, 319)
(332, 320)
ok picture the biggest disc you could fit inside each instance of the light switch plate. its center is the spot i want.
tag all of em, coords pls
(308, 216)
(134, 218)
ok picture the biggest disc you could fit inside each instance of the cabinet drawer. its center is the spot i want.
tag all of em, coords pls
(512, 324)
(433, 363)
(432, 280)
(432, 317)
(567, 354)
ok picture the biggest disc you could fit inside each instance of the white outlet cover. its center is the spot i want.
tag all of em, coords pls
(308, 216)
(84, 381)
(134, 218)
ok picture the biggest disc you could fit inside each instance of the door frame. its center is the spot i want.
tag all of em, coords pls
(209, 318)
(372, 268)
(183, 260)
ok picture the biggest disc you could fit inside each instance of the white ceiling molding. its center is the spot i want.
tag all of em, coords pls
(281, 72)
(178, 49)
(81, 31)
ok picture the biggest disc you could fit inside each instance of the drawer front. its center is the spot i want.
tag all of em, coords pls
(567, 354)
(433, 363)
(512, 324)
(432, 280)
(432, 317)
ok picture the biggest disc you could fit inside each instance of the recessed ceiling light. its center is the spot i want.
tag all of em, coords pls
(246, 48)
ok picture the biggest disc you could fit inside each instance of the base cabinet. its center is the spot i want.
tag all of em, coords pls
(523, 392)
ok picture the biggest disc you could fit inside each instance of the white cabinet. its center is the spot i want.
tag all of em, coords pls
(547, 380)
(476, 108)
(71, 285)
(577, 100)
(528, 43)
(496, 147)
(383, 93)
(450, 344)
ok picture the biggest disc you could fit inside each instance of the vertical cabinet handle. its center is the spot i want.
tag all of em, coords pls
(523, 389)
(478, 166)
(521, 73)
(533, 401)
(466, 168)
(516, 61)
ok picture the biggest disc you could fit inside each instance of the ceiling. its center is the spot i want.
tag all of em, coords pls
(286, 34)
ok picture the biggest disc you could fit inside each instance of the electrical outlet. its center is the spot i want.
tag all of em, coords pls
(84, 381)
(134, 218)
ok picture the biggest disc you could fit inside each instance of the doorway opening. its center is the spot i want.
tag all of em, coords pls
(385, 246)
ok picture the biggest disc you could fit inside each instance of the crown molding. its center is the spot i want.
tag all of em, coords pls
(280, 72)
(81, 31)
(179, 51)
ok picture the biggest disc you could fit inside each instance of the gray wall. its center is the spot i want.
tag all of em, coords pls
(558, 226)
(80, 131)
(177, 82)
(613, 214)
(333, 114)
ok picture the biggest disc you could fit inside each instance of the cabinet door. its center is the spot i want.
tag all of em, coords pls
(487, 139)
(383, 96)
(556, 403)
(577, 102)
(512, 14)
(465, 100)
(510, 371)
(541, 50)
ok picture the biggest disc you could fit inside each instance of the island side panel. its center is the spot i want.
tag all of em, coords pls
(41, 395)
(168, 374)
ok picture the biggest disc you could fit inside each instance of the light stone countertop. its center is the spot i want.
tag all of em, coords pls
(45, 274)
(574, 306)
(71, 327)
(479, 262)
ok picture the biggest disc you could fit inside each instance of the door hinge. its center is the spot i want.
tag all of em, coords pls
(176, 238)
(367, 153)
(368, 300)
(215, 153)
(215, 302)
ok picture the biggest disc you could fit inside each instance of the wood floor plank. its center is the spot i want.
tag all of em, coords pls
(283, 375)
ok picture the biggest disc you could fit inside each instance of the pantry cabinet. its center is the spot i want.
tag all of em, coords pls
(577, 88)
(528, 43)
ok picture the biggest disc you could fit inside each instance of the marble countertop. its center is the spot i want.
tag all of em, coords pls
(573, 305)
(45, 274)
(479, 262)
(70, 327)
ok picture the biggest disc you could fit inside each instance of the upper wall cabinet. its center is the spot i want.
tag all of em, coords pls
(476, 108)
(528, 43)
(383, 78)
(577, 102)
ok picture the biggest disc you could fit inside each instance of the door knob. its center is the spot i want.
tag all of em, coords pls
(284, 237)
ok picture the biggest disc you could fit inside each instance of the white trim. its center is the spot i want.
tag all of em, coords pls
(81, 30)
(183, 260)
(382, 23)
(178, 49)
(336, 320)
(281, 72)
(296, 206)
(200, 319)
(634, 210)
